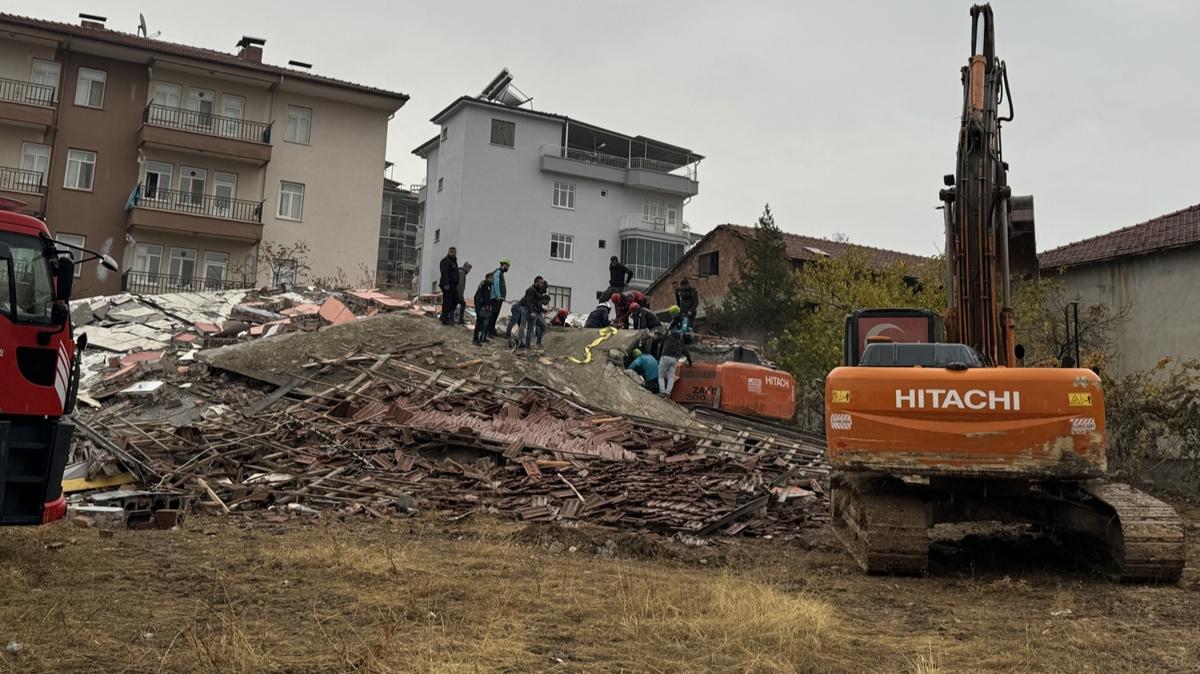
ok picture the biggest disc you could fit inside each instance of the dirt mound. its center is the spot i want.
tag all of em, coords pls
(598, 384)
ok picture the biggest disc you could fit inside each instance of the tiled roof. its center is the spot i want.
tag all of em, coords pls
(1181, 228)
(211, 55)
(801, 247)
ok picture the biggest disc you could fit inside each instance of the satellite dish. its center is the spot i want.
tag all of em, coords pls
(142, 31)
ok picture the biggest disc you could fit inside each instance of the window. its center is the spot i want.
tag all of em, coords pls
(564, 195)
(560, 246)
(560, 297)
(654, 212)
(167, 94)
(232, 109)
(158, 181)
(76, 255)
(34, 291)
(201, 102)
(299, 125)
(224, 191)
(36, 159)
(291, 201)
(440, 184)
(445, 132)
(649, 259)
(89, 90)
(46, 74)
(215, 264)
(147, 259)
(437, 235)
(192, 184)
(603, 244)
(183, 267)
(504, 133)
(81, 170)
(710, 263)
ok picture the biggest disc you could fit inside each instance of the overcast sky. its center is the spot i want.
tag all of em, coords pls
(842, 115)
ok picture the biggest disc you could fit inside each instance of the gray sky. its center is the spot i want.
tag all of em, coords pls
(842, 115)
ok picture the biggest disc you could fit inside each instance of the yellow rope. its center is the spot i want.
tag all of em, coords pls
(605, 333)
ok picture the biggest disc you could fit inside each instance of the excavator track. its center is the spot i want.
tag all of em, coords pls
(884, 525)
(1145, 537)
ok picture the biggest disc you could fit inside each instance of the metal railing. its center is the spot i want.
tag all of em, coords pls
(154, 284)
(575, 154)
(207, 123)
(20, 180)
(206, 205)
(17, 91)
(651, 224)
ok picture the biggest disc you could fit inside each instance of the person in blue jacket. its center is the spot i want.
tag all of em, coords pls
(645, 365)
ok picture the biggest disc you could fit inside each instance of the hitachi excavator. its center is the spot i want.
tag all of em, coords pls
(39, 366)
(926, 428)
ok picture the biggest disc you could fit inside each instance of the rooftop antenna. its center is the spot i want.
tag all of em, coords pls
(142, 30)
(501, 90)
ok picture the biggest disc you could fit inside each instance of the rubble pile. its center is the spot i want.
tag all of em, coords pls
(398, 437)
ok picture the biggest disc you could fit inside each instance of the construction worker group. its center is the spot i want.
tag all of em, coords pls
(620, 308)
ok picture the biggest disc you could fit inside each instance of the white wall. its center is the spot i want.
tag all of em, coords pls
(502, 206)
(342, 171)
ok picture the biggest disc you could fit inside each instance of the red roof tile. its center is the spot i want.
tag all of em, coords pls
(164, 47)
(801, 247)
(1181, 228)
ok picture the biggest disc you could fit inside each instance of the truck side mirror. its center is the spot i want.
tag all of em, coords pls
(5, 251)
(65, 271)
(60, 313)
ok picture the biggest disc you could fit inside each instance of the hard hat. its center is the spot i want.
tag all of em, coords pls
(634, 306)
(506, 261)
(674, 309)
(616, 298)
(637, 352)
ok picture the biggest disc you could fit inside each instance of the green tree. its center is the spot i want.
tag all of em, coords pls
(762, 301)
(1038, 306)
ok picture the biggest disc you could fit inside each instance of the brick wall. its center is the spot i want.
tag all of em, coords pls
(732, 253)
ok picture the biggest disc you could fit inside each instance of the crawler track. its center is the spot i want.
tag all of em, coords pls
(882, 524)
(1144, 537)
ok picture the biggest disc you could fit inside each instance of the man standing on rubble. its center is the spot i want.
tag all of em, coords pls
(533, 305)
(448, 282)
(618, 276)
(499, 294)
(672, 350)
(688, 300)
(645, 365)
(483, 309)
(460, 299)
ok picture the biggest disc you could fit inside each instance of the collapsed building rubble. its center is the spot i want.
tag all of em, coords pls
(405, 418)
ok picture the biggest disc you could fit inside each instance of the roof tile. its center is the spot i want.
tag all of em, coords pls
(801, 247)
(1181, 228)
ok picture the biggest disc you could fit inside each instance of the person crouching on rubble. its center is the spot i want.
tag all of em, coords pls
(598, 318)
(671, 350)
(560, 318)
(645, 365)
(483, 309)
(641, 318)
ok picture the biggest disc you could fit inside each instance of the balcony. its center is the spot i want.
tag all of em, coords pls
(22, 185)
(195, 214)
(640, 223)
(147, 283)
(26, 103)
(205, 133)
(635, 172)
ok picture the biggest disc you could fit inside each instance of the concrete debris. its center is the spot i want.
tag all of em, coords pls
(415, 426)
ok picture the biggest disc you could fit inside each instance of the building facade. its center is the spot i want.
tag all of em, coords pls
(713, 263)
(184, 163)
(1147, 271)
(400, 237)
(556, 196)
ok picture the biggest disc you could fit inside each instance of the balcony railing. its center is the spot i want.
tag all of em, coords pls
(148, 283)
(575, 154)
(652, 224)
(17, 91)
(205, 205)
(196, 121)
(20, 180)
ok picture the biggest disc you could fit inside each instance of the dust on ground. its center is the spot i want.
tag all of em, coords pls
(478, 595)
(597, 384)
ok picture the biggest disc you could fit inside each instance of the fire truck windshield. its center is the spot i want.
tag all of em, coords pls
(27, 278)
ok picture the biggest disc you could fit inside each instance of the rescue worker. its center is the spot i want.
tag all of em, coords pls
(533, 305)
(598, 318)
(687, 299)
(641, 318)
(483, 309)
(448, 283)
(679, 320)
(645, 365)
(620, 311)
(560, 318)
(460, 299)
(499, 294)
(618, 275)
(672, 350)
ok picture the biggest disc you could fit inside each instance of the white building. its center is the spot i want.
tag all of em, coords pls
(555, 195)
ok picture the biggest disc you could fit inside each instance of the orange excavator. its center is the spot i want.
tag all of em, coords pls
(926, 428)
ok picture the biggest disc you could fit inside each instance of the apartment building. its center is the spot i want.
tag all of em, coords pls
(400, 238)
(555, 195)
(183, 162)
